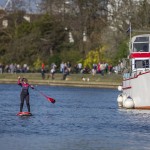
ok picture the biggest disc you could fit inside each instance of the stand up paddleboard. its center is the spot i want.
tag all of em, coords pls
(24, 114)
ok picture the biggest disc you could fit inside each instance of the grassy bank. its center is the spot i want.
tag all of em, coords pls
(72, 80)
(71, 77)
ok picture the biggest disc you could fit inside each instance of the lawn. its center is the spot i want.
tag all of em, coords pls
(114, 78)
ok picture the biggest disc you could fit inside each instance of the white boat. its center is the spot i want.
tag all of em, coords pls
(135, 88)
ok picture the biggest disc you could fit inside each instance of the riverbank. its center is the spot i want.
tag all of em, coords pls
(98, 81)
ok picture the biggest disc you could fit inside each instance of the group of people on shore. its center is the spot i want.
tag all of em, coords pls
(14, 68)
(66, 68)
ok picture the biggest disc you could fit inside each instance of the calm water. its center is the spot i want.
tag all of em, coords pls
(81, 119)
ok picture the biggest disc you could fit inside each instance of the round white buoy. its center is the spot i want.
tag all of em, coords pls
(119, 88)
(128, 103)
(120, 100)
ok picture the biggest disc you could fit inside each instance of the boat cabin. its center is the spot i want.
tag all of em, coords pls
(140, 53)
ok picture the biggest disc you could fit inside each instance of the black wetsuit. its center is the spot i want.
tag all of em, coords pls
(24, 95)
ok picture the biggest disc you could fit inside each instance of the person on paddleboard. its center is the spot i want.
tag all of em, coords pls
(24, 95)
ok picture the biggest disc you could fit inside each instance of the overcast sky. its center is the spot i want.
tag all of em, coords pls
(2, 2)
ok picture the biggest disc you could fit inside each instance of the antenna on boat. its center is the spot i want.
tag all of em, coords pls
(130, 30)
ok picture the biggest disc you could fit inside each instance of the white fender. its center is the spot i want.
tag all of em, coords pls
(120, 100)
(128, 103)
(119, 88)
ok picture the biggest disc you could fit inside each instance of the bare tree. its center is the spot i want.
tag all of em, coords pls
(85, 19)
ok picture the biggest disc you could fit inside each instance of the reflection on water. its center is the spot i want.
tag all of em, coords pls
(81, 119)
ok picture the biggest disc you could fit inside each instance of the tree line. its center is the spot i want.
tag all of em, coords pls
(97, 28)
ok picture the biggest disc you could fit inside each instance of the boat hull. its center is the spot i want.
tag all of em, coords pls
(138, 88)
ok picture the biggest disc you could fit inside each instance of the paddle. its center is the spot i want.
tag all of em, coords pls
(48, 98)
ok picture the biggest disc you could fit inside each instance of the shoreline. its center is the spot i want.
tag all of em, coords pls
(89, 84)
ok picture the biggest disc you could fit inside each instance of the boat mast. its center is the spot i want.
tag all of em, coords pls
(130, 31)
(130, 35)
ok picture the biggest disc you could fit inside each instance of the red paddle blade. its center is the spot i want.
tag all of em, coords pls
(51, 100)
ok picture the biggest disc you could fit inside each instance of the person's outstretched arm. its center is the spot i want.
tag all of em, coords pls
(19, 83)
(32, 87)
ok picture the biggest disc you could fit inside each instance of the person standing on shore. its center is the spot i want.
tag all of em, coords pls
(66, 72)
(43, 70)
(24, 95)
(53, 70)
(1, 68)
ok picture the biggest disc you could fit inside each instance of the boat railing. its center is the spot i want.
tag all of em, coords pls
(138, 71)
(135, 73)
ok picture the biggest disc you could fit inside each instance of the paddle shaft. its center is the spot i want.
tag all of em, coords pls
(48, 98)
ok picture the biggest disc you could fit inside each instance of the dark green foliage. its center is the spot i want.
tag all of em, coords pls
(122, 52)
(55, 59)
(72, 56)
(24, 29)
(39, 39)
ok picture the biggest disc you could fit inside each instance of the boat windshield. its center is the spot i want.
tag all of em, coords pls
(140, 47)
(141, 64)
(142, 39)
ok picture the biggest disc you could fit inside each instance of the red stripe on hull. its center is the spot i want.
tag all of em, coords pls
(125, 88)
(143, 107)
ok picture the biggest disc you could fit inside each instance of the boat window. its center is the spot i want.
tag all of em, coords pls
(140, 47)
(142, 39)
(141, 64)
